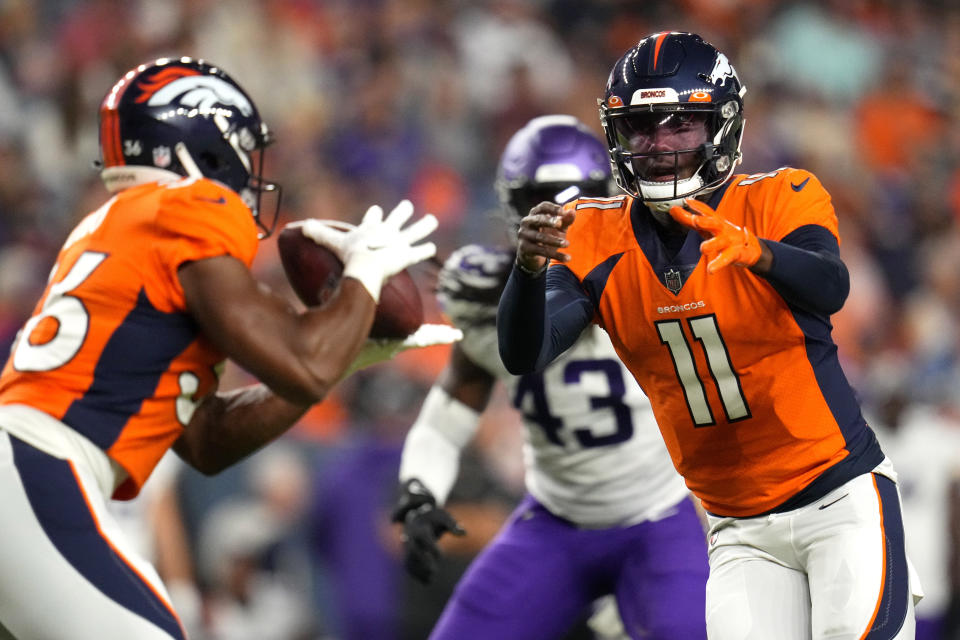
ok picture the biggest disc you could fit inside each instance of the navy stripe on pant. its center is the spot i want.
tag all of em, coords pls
(61, 509)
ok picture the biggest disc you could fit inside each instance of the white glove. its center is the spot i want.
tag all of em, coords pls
(380, 349)
(377, 248)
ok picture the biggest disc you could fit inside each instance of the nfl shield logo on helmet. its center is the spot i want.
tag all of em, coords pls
(161, 156)
(673, 280)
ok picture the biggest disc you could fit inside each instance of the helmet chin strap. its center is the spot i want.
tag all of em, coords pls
(692, 186)
(186, 161)
(663, 206)
(655, 192)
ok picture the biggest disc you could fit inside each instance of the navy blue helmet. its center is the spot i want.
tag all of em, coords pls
(673, 116)
(553, 158)
(184, 117)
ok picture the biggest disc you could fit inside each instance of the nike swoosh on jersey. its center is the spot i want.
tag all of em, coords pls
(799, 187)
(824, 506)
(222, 200)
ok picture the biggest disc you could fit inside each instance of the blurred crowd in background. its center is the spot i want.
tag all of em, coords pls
(372, 101)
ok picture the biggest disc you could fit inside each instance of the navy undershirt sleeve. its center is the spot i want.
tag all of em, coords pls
(533, 326)
(807, 270)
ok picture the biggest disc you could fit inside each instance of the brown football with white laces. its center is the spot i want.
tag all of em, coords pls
(314, 273)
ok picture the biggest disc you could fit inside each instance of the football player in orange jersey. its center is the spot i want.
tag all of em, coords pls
(717, 290)
(119, 363)
(606, 521)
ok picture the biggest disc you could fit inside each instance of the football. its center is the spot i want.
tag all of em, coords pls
(314, 273)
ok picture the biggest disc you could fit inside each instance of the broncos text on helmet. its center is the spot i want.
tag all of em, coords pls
(553, 158)
(673, 116)
(178, 117)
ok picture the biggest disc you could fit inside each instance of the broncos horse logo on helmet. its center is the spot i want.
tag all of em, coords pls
(672, 82)
(202, 92)
(184, 117)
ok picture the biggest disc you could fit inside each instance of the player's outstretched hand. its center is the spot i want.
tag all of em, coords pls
(423, 524)
(542, 233)
(380, 349)
(378, 247)
(726, 243)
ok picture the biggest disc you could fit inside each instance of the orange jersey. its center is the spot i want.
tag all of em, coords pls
(111, 350)
(747, 390)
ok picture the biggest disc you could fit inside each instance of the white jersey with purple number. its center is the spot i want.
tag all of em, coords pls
(593, 452)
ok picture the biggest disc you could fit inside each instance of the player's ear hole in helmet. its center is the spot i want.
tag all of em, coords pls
(553, 158)
(185, 117)
(672, 113)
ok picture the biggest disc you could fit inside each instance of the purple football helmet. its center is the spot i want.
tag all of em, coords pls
(674, 84)
(553, 158)
(184, 117)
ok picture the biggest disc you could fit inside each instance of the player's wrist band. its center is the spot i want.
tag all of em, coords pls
(535, 273)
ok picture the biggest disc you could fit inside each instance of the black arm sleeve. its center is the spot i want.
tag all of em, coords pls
(807, 270)
(534, 326)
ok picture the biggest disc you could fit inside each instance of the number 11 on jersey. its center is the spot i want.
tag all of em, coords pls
(704, 329)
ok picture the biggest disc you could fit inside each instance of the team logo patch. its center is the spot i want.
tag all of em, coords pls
(614, 101)
(673, 280)
(162, 156)
(184, 87)
(722, 69)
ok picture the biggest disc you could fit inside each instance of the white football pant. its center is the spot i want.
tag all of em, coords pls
(66, 570)
(832, 570)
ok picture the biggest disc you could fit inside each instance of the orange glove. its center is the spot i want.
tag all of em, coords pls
(726, 243)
